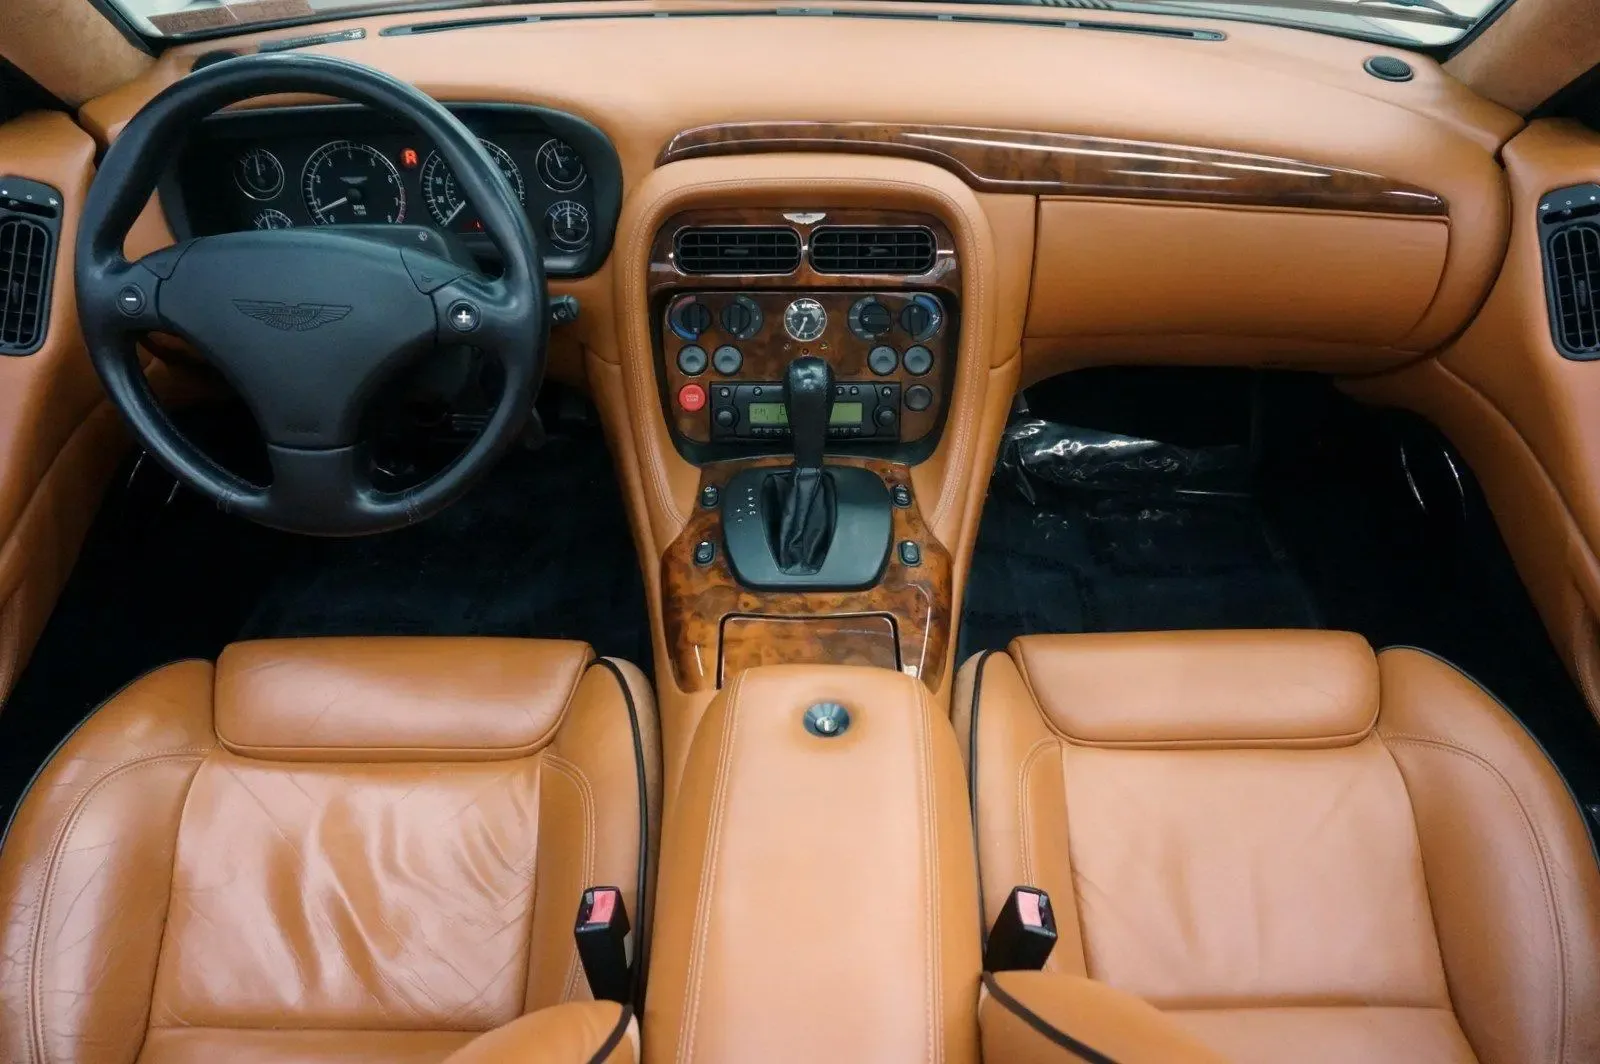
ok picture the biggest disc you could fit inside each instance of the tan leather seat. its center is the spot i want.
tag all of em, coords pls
(328, 850)
(1294, 849)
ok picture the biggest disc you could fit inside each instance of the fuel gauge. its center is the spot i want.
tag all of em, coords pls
(259, 174)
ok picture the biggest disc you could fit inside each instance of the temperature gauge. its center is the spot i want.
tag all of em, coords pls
(271, 219)
(259, 174)
(560, 165)
(567, 222)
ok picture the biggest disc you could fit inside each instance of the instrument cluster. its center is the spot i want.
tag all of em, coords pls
(344, 165)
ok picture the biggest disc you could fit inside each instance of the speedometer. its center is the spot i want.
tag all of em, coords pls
(445, 201)
(348, 182)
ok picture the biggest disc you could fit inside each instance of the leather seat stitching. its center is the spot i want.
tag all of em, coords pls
(580, 782)
(1531, 830)
(701, 929)
(1024, 818)
(929, 811)
(52, 866)
(972, 372)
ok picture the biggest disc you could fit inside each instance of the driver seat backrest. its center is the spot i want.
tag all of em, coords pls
(322, 849)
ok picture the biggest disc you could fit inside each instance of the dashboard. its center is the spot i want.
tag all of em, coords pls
(280, 169)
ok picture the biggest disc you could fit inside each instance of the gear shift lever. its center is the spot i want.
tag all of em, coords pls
(802, 499)
(808, 397)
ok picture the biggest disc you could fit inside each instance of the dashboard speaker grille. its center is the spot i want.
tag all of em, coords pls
(737, 249)
(906, 250)
(1574, 254)
(26, 255)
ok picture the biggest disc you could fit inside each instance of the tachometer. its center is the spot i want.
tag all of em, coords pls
(439, 191)
(348, 182)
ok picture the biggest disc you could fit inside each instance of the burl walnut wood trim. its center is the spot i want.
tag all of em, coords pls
(1069, 164)
(769, 352)
(856, 640)
(696, 600)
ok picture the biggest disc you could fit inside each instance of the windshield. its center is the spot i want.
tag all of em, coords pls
(1412, 23)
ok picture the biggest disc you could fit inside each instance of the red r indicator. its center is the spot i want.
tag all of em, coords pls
(408, 158)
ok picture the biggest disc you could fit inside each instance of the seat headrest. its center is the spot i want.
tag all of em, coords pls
(1227, 688)
(394, 698)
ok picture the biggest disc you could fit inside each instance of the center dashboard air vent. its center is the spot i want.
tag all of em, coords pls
(906, 250)
(1570, 218)
(737, 249)
(30, 215)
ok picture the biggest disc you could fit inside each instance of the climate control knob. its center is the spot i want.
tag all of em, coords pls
(741, 319)
(689, 318)
(869, 319)
(921, 317)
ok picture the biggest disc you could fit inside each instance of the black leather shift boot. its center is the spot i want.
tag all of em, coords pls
(800, 511)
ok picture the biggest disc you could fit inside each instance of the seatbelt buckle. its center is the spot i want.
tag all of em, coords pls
(1024, 933)
(604, 945)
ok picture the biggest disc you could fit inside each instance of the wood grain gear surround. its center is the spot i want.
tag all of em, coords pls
(696, 600)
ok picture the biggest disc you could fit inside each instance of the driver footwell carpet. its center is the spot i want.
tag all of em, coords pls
(540, 548)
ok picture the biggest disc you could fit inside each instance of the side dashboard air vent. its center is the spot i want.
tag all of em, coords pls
(30, 215)
(733, 249)
(907, 250)
(1572, 268)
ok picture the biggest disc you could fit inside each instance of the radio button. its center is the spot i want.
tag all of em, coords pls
(885, 416)
(727, 359)
(692, 360)
(918, 360)
(692, 398)
(727, 417)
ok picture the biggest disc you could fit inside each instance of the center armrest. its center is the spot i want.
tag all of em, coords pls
(817, 898)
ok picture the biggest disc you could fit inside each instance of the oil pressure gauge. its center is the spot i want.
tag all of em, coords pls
(567, 222)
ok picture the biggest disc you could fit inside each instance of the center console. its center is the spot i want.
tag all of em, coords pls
(805, 361)
(817, 893)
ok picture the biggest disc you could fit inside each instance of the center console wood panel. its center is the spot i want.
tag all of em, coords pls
(696, 599)
(866, 639)
(769, 354)
(1065, 164)
(817, 898)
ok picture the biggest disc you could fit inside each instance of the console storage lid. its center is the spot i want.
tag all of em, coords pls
(817, 898)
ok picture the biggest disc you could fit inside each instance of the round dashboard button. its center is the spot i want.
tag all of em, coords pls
(919, 360)
(882, 360)
(727, 359)
(918, 397)
(692, 360)
(692, 397)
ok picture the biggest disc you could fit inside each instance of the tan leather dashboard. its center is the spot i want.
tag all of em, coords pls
(1360, 285)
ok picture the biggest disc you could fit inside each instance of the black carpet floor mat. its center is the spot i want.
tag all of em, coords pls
(540, 548)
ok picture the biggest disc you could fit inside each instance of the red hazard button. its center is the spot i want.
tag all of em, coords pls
(692, 397)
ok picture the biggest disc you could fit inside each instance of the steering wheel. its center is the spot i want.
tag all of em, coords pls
(307, 324)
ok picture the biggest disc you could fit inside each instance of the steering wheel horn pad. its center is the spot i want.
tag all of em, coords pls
(307, 324)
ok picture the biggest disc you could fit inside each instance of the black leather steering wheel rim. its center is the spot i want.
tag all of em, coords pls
(306, 324)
